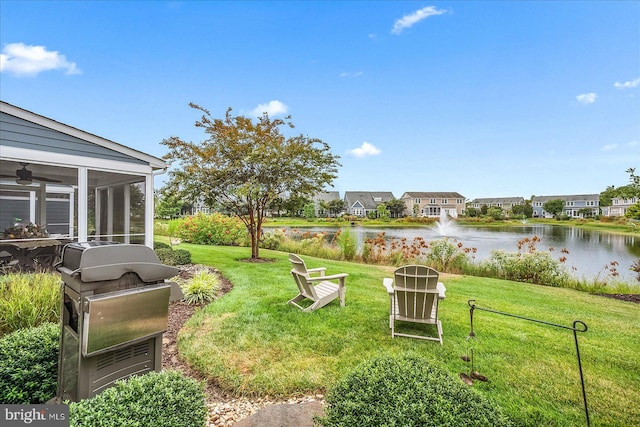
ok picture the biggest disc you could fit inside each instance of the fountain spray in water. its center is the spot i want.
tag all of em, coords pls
(444, 225)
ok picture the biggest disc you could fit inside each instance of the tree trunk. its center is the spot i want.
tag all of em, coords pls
(255, 243)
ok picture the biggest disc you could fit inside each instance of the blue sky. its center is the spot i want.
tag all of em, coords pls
(488, 99)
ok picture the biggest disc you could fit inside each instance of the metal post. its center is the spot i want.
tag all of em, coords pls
(574, 328)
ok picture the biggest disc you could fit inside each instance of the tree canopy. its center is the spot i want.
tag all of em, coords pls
(245, 165)
(554, 207)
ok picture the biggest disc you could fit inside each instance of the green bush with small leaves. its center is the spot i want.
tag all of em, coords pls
(406, 391)
(165, 255)
(182, 256)
(29, 364)
(162, 399)
(170, 256)
(160, 245)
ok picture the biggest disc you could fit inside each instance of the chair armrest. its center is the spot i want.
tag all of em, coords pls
(320, 270)
(441, 290)
(331, 277)
(388, 283)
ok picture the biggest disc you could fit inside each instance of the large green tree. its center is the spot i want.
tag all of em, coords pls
(554, 207)
(397, 207)
(336, 206)
(245, 165)
(627, 192)
(526, 210)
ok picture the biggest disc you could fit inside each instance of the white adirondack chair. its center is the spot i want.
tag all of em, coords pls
(315, 286)
(414, 293)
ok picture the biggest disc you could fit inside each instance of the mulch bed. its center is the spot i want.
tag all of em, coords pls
(624, 297)
(179, 313)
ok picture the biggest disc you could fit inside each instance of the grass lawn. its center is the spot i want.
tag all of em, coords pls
(253, 343)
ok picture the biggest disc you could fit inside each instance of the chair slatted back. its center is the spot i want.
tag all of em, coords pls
(304, 286)
(298, 264)
(416, 292)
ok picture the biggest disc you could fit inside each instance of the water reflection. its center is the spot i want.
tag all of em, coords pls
(589, 251)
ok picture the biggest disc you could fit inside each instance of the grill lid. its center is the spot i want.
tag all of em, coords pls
(111, 260)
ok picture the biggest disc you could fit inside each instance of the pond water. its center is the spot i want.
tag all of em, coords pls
(588, 251)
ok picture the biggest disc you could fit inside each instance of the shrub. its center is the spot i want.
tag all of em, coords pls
(160, 245)
(534, 267)
(636, 268)
(29, 364)
(347, 244)
(160, 228)
(201, 288)
(272, 240)
(27, 300)
(446, 255)
(165, 255)
(406, 391)
(214, 229)
(182, 256)
(155, 399)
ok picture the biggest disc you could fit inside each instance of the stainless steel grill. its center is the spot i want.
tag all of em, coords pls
(115, 305)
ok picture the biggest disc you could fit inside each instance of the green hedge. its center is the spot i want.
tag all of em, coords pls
(162, 399)
(169, 256)
(29, 364)
(406, 391)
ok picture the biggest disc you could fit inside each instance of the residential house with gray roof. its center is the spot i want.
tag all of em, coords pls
(431, 204)
(323, 198)
(360, 203)
(575, 206)
(506, 203)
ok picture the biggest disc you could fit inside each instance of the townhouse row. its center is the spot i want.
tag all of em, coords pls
(431, 204)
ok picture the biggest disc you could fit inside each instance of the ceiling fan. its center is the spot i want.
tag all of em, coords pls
(25, 177)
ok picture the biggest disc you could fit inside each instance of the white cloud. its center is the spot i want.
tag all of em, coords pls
(272, 108)
(366, 149)
(633, 144)
(356, 74)
(587, 98)
(628, 85)
(26, 60)
(609, 147)
(411, 19)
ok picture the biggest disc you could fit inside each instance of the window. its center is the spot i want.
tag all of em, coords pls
(432, 201)
(444, 201)
(459, 201)
(416, 201)
(568, 203)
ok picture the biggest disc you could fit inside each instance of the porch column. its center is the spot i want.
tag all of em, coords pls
(71, 210)
(98, 213)
(148, 210)
(110, 212)
(42, 206)
(127, 213)
(83, 201)
(32, 208)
